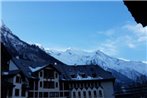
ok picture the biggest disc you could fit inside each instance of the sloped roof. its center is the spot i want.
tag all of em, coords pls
(24, 66)
(90, 72)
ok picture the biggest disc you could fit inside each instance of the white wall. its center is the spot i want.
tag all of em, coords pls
(105, 87)
(87, 92)
(108, 89)
(42, 79)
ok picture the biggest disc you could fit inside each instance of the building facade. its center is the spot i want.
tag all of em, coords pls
(57, 81)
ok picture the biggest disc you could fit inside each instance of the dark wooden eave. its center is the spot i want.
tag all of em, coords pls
(138, 10)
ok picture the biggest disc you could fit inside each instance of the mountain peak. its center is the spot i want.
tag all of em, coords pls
(1, 23)
(4, 28)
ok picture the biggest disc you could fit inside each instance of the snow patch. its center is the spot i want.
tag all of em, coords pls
(124, 59)
(5, 73)
(17, 57)
(35, 69)
(81, 78)
(86, 78)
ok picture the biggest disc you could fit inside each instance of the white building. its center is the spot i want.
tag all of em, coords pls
(43, 80)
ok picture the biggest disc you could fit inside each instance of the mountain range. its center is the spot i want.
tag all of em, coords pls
(124, 71)
(128, 69)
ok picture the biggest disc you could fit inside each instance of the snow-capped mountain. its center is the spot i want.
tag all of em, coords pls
(17, 47)
(130, 69)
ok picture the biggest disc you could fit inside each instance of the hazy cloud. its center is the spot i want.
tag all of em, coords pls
(129, 41)
(107, 32)
(131, 36)
(109, 47)
(139, 31)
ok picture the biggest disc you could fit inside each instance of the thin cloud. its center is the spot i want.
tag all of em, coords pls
(108, 33)
(129, 41)
(139, 31)
(109, 47)
(130, 45)
(131, 36)
(118, 39)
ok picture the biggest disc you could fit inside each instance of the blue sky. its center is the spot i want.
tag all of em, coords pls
(105, 26)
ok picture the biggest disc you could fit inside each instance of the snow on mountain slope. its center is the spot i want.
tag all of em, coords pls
(131, 69)
(17, 47)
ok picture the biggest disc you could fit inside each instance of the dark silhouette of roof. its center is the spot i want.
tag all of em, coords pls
(87, 72)
(5, 57)
(67, 72)
(138, 10)
(25, 65)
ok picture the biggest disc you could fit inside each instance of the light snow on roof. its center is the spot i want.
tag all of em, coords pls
(35, 69)
(86, 78)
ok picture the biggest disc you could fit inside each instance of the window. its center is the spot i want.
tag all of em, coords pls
(66, 87)
(56, 84)
(95, 93)
(73, 76)
(45, 94)
(23, 92)
(40, 94)
(40, 84)
(36, 94)
(74, 94)
(45, 84)
(48, 84)
(100, 93)
(30, 94)
(16, 92)
(94, 75)
(79, 94)
(40, 73)
(83, 75)
(36, 85)
(61, 94)
(65, 93)
(18, 79)
(55, 94)
(36, 74)
(56, 75)
(31, 83)
(49, 73)
(84, 94)
(89, 93)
